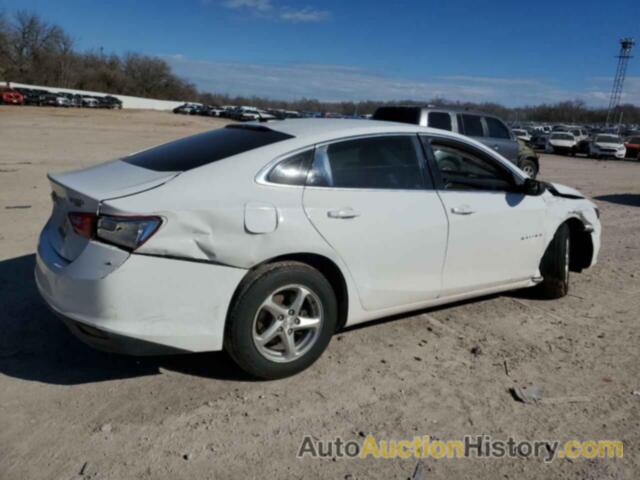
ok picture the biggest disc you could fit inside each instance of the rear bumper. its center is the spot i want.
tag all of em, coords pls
(137, 304)
(116, 343)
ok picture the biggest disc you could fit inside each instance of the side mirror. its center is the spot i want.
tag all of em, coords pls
(532, 187)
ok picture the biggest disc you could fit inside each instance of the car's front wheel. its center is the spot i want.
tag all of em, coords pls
(529, 167)
(281, 321)
(554, 266)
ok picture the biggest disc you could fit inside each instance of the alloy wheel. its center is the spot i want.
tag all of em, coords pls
(288, 323)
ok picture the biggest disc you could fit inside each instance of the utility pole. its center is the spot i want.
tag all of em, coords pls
(626, 44)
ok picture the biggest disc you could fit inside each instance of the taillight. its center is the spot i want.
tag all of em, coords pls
(83, 223)
(127, 232)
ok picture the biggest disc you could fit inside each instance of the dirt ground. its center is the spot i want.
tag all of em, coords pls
(67, 411)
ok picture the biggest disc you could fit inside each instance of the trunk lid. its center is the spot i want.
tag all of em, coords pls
(84, 190)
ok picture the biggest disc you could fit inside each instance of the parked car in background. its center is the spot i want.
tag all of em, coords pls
(247, 114)
(211, 111)
(62, 100)
(48, 99)
(539, 140)
(632, 144)
(109, 101)
(563, 143)
(580, 134)
(89, 102)
(522, 134)
(30, 96)
(269, 237)
(485, 128)
(607, 146)
(188, 108)
(9, 96)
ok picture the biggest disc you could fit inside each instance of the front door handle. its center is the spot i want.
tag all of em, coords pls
(496, 147)
(463, 210)
(343, 213)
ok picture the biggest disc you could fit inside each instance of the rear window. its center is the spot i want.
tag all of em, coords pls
(204, 148)
(398, 114)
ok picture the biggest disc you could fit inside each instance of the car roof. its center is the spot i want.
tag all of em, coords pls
(443, 109)
(339, 127)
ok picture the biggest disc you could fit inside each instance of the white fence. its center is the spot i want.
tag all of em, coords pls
(127, 101)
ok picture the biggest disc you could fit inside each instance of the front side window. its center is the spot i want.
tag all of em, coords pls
(497, 129)
(462, 169)
(472, 125)
(385, 162)
(441, 120)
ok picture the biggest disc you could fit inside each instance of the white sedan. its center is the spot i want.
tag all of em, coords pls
(263, 239)
(603, 146)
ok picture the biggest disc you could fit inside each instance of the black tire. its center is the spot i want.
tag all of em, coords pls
(530, 165)
(554, 266)
(254, 290)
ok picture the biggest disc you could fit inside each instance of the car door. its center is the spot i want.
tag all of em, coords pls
(495, 233)
(371, 200)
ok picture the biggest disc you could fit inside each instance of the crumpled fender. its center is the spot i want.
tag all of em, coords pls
(569, 203)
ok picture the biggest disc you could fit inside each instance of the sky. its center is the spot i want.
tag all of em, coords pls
(514, 53)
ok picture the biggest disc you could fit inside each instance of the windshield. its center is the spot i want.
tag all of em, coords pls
(634, 140)
(562, 136)
(205, 148)
(608, 139)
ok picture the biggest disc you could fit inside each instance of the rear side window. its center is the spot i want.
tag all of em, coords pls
(398, 114)
(441, 120)
(293, 170)
(388, 162)
(204, 148)
(472, 126)
(497, 129)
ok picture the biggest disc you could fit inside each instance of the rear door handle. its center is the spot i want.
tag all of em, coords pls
(463, 210)
(343, 213)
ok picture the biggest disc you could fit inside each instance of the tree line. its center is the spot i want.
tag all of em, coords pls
(37, 52)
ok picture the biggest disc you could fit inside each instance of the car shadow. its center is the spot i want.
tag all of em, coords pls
(629, 199)
(35, 345)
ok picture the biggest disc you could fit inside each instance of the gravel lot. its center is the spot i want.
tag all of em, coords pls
(67, 411)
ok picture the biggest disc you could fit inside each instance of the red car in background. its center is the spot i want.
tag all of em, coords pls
(633, 147)
(11, 97)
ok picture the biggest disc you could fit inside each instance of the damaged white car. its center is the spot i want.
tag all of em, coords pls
(263, 239)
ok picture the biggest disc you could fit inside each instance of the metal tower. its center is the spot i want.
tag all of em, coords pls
(626, 44)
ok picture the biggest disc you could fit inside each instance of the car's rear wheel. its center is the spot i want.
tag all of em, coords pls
(554, 266)
(282, 320)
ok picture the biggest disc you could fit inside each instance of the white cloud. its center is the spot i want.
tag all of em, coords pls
(257, 5)
(266, 8)
(304, 15)
(343, 83)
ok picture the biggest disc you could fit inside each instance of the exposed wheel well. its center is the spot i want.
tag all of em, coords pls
(581, 251)
(329, 269)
